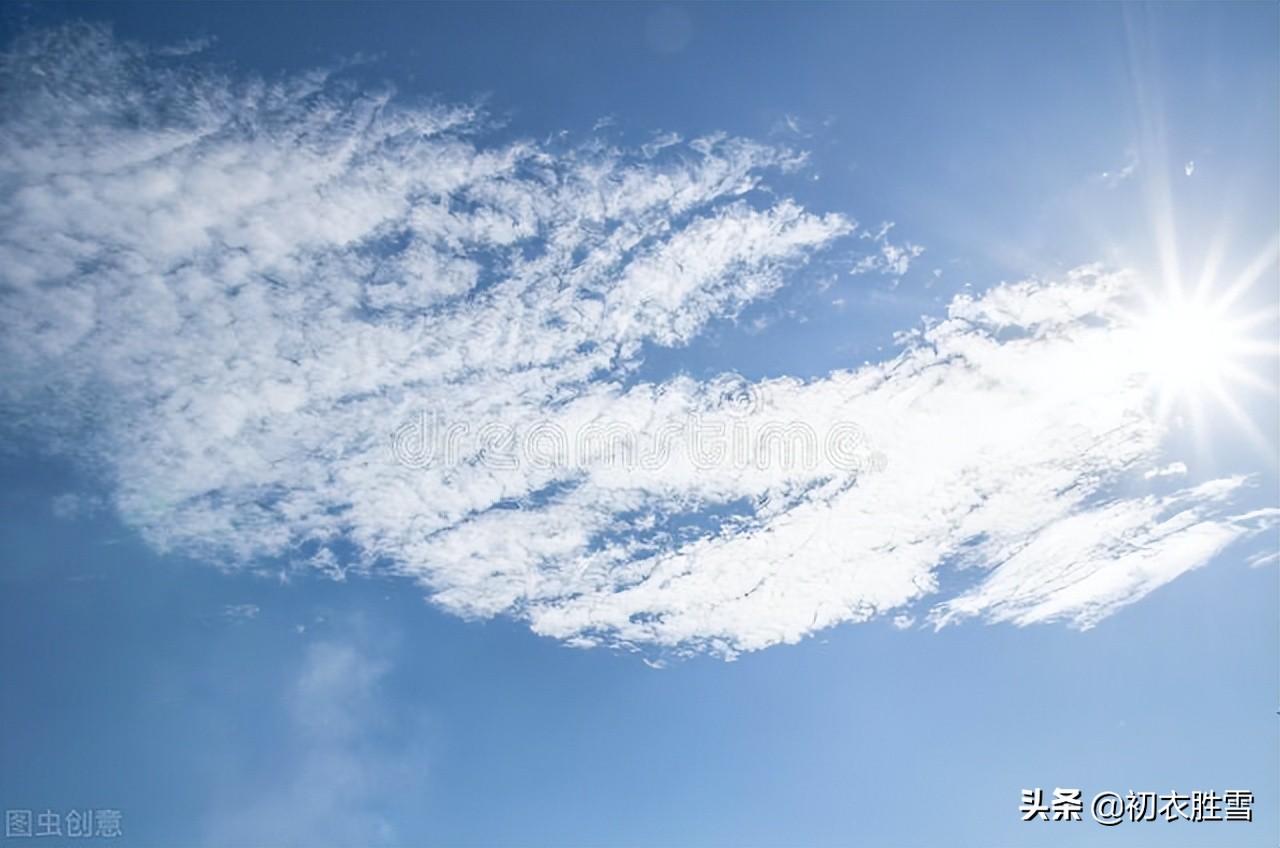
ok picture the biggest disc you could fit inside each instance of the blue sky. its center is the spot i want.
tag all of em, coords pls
(1028, 250)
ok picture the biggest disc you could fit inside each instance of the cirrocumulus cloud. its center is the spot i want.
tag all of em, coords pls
(252, 307)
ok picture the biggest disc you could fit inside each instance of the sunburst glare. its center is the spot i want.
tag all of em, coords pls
(1200, 351)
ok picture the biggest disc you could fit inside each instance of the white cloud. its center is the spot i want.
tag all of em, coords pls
(660, 142)
(1173, 469)
(892, 260)
(1262, 558)
(225, 297)
(1106, 556)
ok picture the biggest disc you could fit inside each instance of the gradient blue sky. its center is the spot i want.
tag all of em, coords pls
(1009, 141)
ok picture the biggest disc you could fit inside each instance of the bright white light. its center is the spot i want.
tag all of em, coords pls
(1196, 354)
(1187, 348)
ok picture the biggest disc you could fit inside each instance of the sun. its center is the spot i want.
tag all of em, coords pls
(1197, 353)
(1189, 347)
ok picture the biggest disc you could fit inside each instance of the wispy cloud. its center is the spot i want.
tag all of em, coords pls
(70, 506)
(791, 125)
(1113, 178)
(240, 612)
(227, 297)
(890, 259)
(349, 758)
(660, 142)
(1261, 558)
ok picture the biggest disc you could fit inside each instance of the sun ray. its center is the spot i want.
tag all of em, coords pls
(1212, 262)
(1199, 351)
(1241, 418)
(1253, 272)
